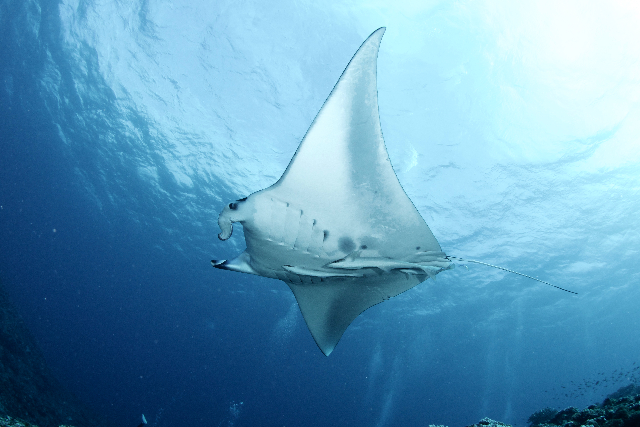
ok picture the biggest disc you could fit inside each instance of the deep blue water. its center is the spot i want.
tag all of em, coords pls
(126, 127)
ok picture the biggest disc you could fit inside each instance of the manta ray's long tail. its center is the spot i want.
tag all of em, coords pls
(510, 271)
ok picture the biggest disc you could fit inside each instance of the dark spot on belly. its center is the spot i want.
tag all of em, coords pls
(417, 248)
(326, 235)
(368, 242)
(346, 244)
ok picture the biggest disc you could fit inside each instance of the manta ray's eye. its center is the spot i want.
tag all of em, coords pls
(233, 206)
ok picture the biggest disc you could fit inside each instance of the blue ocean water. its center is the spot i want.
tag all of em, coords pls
(514, 127)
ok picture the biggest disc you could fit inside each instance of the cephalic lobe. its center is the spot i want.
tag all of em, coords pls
(233, 212)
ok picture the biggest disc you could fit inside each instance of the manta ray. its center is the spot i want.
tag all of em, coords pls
(337, 227)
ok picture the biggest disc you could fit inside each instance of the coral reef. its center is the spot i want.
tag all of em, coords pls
(7, 421)
(488, 422)
(622, 412)
(619, 409)
(27, 389)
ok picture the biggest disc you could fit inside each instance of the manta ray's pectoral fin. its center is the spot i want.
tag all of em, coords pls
(330, 306)
(241, 263)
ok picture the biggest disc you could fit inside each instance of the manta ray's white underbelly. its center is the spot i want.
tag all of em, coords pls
(287, 243)
(280, 234)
